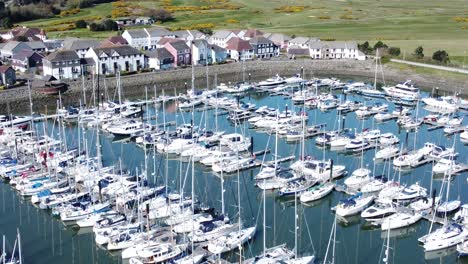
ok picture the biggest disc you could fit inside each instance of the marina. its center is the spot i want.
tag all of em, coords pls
(182, 176)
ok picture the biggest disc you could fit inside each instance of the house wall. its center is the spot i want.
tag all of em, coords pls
(110, 65)
(138, 43)
(62, 70)
(9, 77)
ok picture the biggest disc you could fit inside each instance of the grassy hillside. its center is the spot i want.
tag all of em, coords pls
(431, 23)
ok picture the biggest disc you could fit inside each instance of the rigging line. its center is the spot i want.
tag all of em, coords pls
(248, 196)
(308, 232)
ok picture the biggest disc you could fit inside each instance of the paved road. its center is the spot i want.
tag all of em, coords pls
(431, 66)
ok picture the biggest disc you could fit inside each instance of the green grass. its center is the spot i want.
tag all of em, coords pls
(428, 71)
(406, 24)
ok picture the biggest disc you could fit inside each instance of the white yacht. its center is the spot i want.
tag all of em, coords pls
(446, 236)
(358, 178)
(130, 128)
(400, 219)
(317, 192)
(406, 91)
(353, 205)
(231, 241)
(274, 81)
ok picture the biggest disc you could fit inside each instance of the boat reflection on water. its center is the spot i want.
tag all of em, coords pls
(349, 220)
(439, 254)
(399, 233)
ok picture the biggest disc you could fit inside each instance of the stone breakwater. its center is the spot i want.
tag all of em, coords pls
(17, 99)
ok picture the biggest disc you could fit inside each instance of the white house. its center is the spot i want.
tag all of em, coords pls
(154, 35)
(335, 50)
(110, 60)
(137, 38)
(239, 49)
(189, 35)
(13, 47)
(221, 37)
(63, 64)
(302, 42)
(160, 59)
(201, 52)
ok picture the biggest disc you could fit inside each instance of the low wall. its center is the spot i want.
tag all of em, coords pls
(134, 85)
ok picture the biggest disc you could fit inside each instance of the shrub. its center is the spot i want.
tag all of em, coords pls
(419, 52)
(159, 15)
(441, 56)
(80, 24)
(379, 44)
(394, 51)
(290, 9)
(232, 21)
(69, 12)
(324, 17)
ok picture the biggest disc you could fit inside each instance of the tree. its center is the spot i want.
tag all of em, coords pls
(206, 31)
(6, 22)
(80, 23)
(419, 52)
(160, 15)
(110, 25)
(94, 27)
(379, 45)
(364, 47)
(441, 56)
(394, 51)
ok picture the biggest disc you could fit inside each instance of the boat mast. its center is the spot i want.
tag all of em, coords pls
(3, 251)
(19, 247)
(295, 223)
(264, 219)
(377, 58)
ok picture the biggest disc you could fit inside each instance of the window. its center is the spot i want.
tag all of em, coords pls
(127, 66)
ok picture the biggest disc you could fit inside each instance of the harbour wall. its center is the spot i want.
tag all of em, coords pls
(17, 100)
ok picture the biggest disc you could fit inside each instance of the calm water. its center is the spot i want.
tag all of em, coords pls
(47, 240)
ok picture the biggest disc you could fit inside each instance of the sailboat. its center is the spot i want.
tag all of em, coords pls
(373, 92)
(450, 234)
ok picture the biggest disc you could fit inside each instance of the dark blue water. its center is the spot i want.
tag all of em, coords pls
(47, 240)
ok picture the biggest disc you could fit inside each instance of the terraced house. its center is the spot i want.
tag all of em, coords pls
(63, 64)
(335, 50)
(264, 48)
(114, 59)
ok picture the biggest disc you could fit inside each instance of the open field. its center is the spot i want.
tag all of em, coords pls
(406, 24)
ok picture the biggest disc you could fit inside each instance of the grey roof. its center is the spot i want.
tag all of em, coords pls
(10, 45)
(217, 48)
(198, 42)
(179, 45)
(300, 40)
(161, 53)
(124, 50)
(196, 33)
(22, 55)
(62, 55)
(333, 44)
(298, 51)
(158, 32)
(260, 40)
(181, 33)
(137, 33)
(221, 33)
(36, 45)
(80, 44)
(277, 37)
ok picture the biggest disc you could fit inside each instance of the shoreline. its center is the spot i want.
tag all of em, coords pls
(16, 100)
